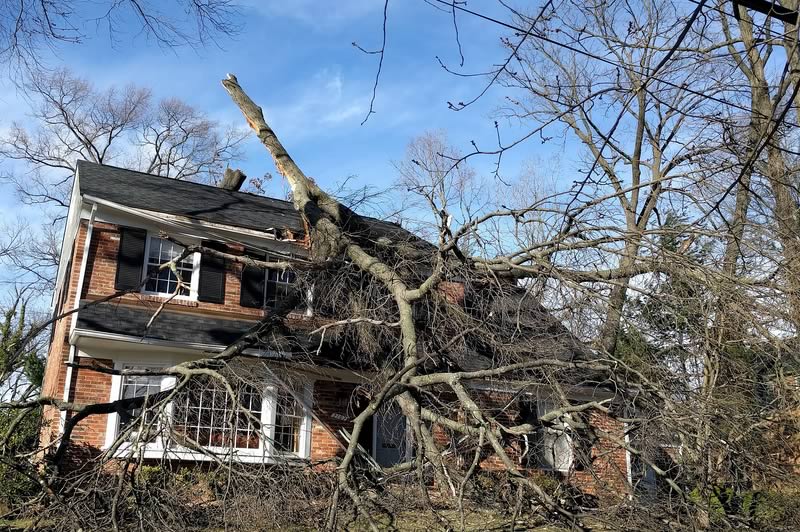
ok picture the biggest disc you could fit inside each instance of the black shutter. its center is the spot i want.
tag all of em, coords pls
(211, 286)
(253, 285)
(130, 259)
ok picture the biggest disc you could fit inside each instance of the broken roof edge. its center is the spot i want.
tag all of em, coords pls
(285, 208)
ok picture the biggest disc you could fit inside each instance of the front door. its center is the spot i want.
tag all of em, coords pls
(390, 444)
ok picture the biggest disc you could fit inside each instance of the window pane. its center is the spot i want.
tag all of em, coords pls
(163, 280)
(139, 386)
(288, 420)
(209, 417)
(278, 286)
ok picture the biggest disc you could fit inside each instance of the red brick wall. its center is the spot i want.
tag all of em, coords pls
(102, 266)
(334, 408)
(605, 477)
(58, 352)
(91, 387)
(608, 474)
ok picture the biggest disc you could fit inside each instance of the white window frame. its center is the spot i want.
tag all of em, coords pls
(193, 286)
(265, 451)
(112, 427)
(543, 407)
(537, 438)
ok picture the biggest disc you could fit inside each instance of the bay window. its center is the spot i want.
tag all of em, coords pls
(263, 421)
(288, 423)
(205, 415)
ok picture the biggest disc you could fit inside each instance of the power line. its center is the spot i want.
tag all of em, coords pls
(596, 57)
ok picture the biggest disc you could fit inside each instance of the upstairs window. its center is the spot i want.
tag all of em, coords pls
(265, 287)
(141, 256)
(163, 280)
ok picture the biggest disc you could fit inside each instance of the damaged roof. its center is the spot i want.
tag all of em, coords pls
(206, 203)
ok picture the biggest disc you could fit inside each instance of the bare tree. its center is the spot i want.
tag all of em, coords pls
(659, 253)
(28, 29)
(74, 120)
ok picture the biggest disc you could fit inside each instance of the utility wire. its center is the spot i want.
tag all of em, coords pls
(596, 57)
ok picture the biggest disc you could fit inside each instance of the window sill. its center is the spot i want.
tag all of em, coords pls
(252, 456)
(180, 301)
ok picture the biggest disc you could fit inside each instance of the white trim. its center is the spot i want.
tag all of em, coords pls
(205, 229)
(264, 453)
(77, 334)
(628, 464)
(70, 231)
(74, 317)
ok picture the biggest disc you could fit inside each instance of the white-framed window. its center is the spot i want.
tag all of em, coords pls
(272, 420)
(130, 422)
(136, 428)
(549, 448)
(278, 286)
(288, 423)
(163, 281)
(206, 416)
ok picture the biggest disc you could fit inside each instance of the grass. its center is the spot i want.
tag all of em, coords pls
(476, 520)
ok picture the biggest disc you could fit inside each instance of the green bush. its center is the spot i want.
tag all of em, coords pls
(16, 486)
(763, 510)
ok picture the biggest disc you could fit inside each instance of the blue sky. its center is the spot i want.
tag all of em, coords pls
(296, 60)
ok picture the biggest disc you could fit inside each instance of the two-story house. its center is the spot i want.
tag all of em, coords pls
(122, 225)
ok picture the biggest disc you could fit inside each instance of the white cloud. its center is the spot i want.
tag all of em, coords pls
(325, 98)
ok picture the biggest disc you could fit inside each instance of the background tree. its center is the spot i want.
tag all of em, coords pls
(125, 126)
(28, 30)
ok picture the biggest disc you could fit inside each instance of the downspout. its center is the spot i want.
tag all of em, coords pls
(74, 318)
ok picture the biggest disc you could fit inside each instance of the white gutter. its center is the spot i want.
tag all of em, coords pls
(77, 334)
(74, 318)
(193, 225)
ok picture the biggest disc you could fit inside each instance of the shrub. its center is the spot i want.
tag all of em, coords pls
(762, 510)
(15, 486)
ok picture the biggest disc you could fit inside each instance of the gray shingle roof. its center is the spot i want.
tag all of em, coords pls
(171, 326)
(202, 202)
(183, 198)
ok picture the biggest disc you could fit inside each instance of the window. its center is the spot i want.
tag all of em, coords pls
(271, 420)
(279, 286)
(129, 422)
(288, 423)
(206, 416)
(164, 281)
(550, 447)
(265, 287)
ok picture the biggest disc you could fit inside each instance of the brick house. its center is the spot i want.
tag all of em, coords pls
(114, 238)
